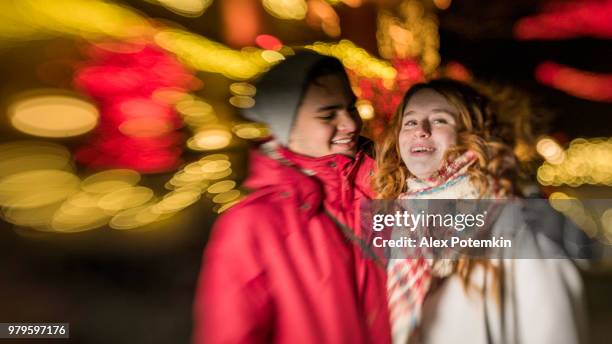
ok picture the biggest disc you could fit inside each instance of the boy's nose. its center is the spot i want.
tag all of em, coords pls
(347, 123)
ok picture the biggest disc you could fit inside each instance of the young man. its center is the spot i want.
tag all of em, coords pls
(283, 265)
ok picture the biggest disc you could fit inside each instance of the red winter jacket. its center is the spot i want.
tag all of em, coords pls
(278, 269)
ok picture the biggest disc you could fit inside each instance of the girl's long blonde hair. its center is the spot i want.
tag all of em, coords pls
(496, 163)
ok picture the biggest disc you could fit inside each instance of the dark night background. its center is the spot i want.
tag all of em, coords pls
(137, 286)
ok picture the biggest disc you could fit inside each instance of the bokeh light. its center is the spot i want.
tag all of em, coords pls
(550, 150)
(286, 9)
(251, 131)
(20, 156)
(125, 198)
(222, 186)
(187, 8)
(365, 109)
(53, 116)
(37, 188)
(243, 89)
(110, 180)
(584, 162)
(210, 139)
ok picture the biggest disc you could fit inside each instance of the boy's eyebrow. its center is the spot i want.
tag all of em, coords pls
(330, 107)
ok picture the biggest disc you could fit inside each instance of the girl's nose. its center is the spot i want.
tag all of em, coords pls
(422, 130)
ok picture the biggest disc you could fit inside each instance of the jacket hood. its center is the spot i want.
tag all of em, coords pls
(280, 91)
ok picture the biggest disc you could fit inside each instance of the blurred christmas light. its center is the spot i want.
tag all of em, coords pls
(356, 59)
(222, 186)
(187, 8)
(585, 162)
(250, 131)
(242, 102)
(411, 34)
(53, 116)
(322, 15)
(170, 95)
(71, 219)
(83, 199)
(125, 198)
(559, 201)
(34, 19)
(210, 139)
(110, 180)
(134, 218)
(268, 42)
(272, 56)
(286, 9)
(215, 166)
(365, 109)
(243, 89)
(212, 157)
(37, 187)
(135, 131)
(37, 218)
(175, 201)
(242, 21)
(21, 156)
(574, 210)
(194, 107)
(145, 127)
(457, 71)
(205, 55)
(442, 4)
(550, 150)
(219, 175)
(587, 85)
(566, 20)
(227, 196)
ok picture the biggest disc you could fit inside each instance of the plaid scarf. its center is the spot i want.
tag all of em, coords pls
(409, 280)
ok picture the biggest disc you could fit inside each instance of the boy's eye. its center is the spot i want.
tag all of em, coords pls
(327, 117)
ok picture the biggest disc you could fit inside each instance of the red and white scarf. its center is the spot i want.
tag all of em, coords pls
(410, 279)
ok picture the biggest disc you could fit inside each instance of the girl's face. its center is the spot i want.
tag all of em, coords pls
(327, 121)
(428, 129)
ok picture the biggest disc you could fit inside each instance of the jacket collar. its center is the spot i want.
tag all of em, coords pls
(273, 165)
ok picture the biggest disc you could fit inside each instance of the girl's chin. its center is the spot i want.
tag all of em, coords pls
(423, 173)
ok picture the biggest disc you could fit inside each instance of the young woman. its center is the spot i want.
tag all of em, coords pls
(280, 266)
(440, 146)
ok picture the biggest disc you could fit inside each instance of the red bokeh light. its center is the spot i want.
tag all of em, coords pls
(587, 85)
(568, 20)
(135, 131)
(268, 42)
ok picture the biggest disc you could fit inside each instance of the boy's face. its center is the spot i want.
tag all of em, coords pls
(327, 121)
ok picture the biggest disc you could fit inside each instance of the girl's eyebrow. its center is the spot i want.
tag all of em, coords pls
(437, 110)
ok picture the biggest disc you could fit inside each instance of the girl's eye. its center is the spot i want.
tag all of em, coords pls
(440, 121)
(410, 123)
